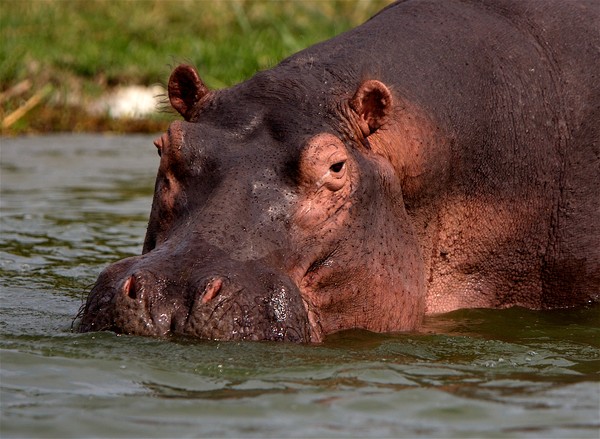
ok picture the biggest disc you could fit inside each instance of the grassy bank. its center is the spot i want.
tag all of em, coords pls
(60, 56)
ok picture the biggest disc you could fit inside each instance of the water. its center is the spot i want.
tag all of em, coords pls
(70, 205)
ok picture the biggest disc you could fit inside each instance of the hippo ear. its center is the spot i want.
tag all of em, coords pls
(372, 102)
(185, 90)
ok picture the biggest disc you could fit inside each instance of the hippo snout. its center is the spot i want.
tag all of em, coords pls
(243, 303)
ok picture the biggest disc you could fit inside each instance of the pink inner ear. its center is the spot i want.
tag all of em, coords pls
(373, 104)
(186, 89)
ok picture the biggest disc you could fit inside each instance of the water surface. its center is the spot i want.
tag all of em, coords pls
(71, 204)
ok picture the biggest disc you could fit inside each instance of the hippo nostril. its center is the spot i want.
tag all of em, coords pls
(129, 287)
(212, 289)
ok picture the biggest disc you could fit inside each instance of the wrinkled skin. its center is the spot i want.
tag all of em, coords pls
(443, 155)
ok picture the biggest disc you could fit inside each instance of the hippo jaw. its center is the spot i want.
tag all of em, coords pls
(130, 297)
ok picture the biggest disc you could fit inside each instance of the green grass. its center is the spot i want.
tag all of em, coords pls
(81, 48)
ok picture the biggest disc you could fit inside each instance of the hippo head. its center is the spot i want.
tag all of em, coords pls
(273, 218)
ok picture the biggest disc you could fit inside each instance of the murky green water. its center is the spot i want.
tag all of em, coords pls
(72, 204)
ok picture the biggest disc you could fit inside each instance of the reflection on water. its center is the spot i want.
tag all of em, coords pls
(70, 205)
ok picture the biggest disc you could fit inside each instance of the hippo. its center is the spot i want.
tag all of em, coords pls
(443, 155)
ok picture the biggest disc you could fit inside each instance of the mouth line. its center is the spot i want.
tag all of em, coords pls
(314, 324)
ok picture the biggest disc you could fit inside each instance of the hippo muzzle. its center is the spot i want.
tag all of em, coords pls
(214, 298)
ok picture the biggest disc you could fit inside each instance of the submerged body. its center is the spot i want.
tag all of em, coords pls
(443, 155)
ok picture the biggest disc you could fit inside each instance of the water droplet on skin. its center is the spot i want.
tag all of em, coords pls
(279, 301)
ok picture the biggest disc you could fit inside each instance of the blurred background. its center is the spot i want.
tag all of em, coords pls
(101, 65)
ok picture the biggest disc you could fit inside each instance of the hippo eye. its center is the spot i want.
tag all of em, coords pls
(324, 162)
(337, 167)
